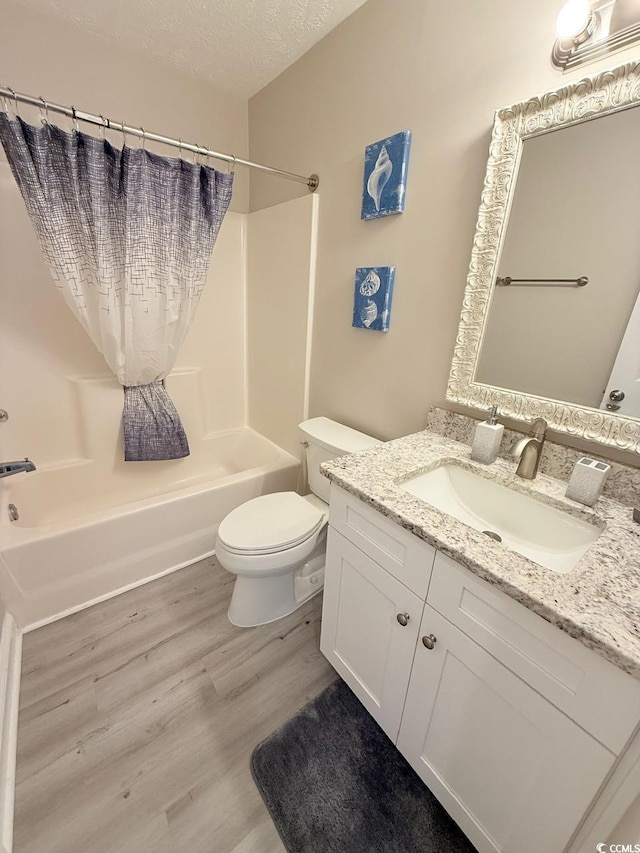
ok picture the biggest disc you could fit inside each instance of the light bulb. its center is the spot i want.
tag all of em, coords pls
(573, 19)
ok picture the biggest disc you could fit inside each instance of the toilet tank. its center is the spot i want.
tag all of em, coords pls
(327, 439)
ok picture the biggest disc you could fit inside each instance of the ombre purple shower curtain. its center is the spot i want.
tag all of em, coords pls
(128, 237)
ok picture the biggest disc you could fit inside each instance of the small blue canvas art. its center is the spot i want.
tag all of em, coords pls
(372, 298)
(385, 175)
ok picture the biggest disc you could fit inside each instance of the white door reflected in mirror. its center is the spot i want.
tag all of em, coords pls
(622, 393)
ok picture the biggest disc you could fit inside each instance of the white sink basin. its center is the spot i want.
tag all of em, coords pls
(544, 534)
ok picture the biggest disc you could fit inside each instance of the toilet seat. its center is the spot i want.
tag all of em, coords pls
(269, 524)
(276, 544)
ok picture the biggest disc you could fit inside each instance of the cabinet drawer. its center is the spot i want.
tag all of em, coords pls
(601, 698)
(402, 554)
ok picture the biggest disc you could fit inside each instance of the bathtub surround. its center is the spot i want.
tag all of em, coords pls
(128, 237)
(281, 267)
(333, 782)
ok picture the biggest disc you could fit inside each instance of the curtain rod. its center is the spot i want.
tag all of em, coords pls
(77, 115)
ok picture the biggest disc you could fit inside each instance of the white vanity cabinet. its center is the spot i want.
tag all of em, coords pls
(513, 725)
(512, 770)
(370, 626)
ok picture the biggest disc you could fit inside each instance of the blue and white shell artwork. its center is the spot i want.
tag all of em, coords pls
(368, 313)
(385, 175)
(371, 284)
(372, 298)
(379, 177)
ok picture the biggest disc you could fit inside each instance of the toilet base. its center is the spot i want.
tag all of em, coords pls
(258, 601)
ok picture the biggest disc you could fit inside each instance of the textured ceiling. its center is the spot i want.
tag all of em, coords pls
(238, 45)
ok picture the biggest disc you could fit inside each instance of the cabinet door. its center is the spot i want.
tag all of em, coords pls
(514, 772)
(362, 635)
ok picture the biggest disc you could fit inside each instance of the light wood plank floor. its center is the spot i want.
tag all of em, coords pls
(138, 717)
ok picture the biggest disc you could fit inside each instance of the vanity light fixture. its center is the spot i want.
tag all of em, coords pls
(590, 29)
(575, 25)
(576, 21)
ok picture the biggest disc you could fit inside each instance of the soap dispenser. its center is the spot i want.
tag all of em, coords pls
(487, 438)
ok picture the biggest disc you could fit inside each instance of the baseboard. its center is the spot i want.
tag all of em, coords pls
(112, 594)
(10, 664)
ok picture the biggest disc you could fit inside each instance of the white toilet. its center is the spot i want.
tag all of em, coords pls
(276, 544)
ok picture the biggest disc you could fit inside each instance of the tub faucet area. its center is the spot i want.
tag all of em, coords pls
(21, 466)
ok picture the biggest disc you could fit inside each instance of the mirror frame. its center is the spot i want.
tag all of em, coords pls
(592, 97)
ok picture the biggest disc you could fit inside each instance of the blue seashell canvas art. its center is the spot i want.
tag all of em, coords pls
(372, 298)
(385, 176)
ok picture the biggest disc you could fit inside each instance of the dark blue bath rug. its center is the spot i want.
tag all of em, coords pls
(334, 783)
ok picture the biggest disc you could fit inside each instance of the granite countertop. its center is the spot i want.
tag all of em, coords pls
(597, 602)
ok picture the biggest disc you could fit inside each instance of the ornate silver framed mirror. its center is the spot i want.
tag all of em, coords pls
(550, 321)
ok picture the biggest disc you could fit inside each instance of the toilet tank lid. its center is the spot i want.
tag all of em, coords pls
(336, 437)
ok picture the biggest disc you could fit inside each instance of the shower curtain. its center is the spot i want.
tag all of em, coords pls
(128, 237)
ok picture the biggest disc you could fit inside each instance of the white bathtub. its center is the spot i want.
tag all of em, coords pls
(85, 533)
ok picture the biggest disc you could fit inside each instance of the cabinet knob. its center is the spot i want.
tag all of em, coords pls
(429, 642)
(403, 618)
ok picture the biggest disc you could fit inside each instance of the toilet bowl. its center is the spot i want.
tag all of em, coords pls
(275, 544)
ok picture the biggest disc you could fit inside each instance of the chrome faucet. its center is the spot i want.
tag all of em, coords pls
(529, 450)
(22, 466)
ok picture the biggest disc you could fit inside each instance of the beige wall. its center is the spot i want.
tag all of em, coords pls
(280, 282)
(42, 55)
(574, 213)
(440, 70)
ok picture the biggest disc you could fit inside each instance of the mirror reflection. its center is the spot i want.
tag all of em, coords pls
(575, 215)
